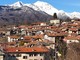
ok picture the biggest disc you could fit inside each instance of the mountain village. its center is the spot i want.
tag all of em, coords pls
(49, 40)
(38, 41)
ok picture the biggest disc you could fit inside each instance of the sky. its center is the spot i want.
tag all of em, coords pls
(66, 5)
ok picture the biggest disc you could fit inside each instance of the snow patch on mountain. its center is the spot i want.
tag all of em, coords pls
(43, 6)
(33, 6)
(17, 4)
(62, 15)
(74, 15)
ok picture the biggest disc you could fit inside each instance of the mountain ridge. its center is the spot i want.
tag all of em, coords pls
(19, 12)
(22, 15)
(49, 9)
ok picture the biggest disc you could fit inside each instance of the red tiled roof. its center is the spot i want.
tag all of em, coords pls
(58, 34)
(27, 37)
(73, 29)
(22, 26)
(25, 49)
(9, 43)
(14, 36)
(70, 38)
(38, 36)
(78, 37)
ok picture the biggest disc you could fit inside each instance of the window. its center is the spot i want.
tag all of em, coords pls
(35, 54)
(13, 55)
(24, 57)
(30, 59)
(70, 41)
(35, 59)
(30, 54)
(8, 55)
(18, 55)
(41, 54)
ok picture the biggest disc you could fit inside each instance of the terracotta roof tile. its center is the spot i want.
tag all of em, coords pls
(58, 34)
(73, 29)
(14, 36)
(25, 49)
(38, 36)
(70, 38)
(27, 37)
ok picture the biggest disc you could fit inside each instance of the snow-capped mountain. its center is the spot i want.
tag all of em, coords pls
(38, 11)
(19, 13)
(74, 15)
(17, 4)
(49, 9)
(33, 6)
(39, 6)
(43, 6)
(62, 15)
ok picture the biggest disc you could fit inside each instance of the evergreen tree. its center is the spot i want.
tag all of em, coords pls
(55, 16)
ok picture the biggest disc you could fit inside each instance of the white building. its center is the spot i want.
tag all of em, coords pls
(55, 21)
(71, 39)
(23, 53)
(13, 38)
